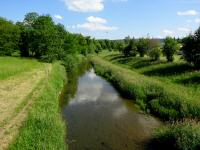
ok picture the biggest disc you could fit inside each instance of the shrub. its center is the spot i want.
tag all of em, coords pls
(170, 47)
(131, 48)
(191, 48)
(155, 53)
(142, 46)
(70, 63)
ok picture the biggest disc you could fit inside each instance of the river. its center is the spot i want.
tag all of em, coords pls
(98, 118)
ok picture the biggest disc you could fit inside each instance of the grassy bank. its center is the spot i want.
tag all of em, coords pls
(44, 129)
(160, 96)
(168, 101)
(178, 72)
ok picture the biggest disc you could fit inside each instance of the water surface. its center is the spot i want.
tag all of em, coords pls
(98, 118)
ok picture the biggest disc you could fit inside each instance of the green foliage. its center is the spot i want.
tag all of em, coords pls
(131, 48)
(44, 128)
(155, 53)
(179, 136)
(9, 37)
(191, 48)
(142, 46)
(40, 37)
(70, 63)
(170, 48)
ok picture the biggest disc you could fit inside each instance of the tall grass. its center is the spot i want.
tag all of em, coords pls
(178, 136)
(44, 128)
(168, 101)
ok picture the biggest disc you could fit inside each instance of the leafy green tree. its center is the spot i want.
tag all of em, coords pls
(30, 18)
(120, 46)
(191, 48)
(9, 37)
(170, 47)
(155, 53)
(142, 46)
(131, 48)
(127, 40)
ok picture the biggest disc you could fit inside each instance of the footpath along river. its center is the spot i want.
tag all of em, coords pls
(98, 118)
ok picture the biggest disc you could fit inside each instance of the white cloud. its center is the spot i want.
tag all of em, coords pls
(197, 20)
(58, 17)
(184, 29)
(187, 13)
(84, 5)
(94, 26)
(96, 23)
(93, 19)
(168, 32)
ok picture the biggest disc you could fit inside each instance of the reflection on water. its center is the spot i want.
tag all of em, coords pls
(99, 118)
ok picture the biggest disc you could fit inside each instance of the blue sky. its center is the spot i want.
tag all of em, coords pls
(113, 19)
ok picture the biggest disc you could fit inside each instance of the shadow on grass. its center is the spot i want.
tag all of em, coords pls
(190, 81)
(134, 62)
(155, 145)
(145, 63)
(170, 70)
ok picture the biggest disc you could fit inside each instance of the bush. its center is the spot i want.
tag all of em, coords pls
(142, 46)
(70, 63)
(170, 47)
(155, 53)
(131, 48)
(191, 48)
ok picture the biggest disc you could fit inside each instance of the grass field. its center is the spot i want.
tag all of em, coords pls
(29, 110)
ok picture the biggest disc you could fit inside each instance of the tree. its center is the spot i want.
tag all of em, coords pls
(191, 48)
(30, 18)
(142, 46)
(120, 46)
(9, 37)
(127, 40)
(131, 48)
(154, 53)
(170, 47)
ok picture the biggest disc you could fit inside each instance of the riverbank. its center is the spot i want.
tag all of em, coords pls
(44, 128)
(168, 101)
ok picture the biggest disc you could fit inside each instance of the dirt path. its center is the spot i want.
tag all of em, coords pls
(17, 95)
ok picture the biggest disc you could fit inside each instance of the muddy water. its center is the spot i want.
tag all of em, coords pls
(98, 118)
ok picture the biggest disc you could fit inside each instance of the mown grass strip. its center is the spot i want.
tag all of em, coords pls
(168, 101)
(44, 128)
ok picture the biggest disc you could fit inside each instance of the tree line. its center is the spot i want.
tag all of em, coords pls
(40, 37)
(188, 47)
